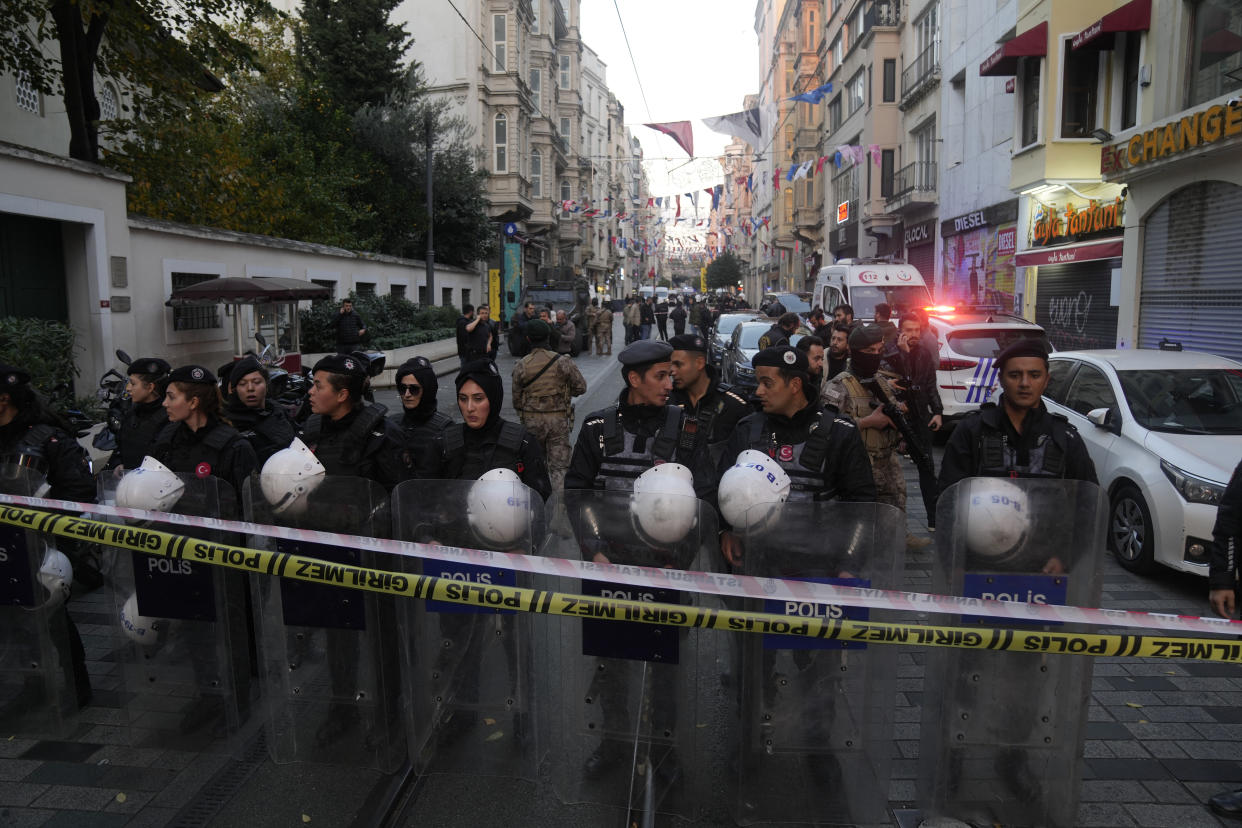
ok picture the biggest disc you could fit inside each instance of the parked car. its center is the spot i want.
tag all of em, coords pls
(723, 330)
(1164, 429)
(735, 367)
(799, 303)
(969, 342)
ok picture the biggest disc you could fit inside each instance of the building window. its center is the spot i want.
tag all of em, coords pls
(446, 296)
(364, 288)
(1080, 91)
(566, 192)
(890, 80)
(834, 114)
(109, 108)
(536, 10)
(927, 28)
(499, 42)
(501, 141)
(810, 31)
(838, 52)
(396, 291)
(1028, 127)
(422, 294)
(1215, 49)
(465, 295)
(27, 95)
(565, 130)
(194, 317)
(1130, 80)
(329, 284)
(856, 91)
(536, 174)
(536, 88)
(562, 79)
(886, 173)
(925, 154)
(856, 26)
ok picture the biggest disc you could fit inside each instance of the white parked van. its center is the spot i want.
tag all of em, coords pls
(864, 283)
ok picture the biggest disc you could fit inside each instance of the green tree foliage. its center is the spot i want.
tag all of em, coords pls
(45, 350)
(724, 271)
(352, 51)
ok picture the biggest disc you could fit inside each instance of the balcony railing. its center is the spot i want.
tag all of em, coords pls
(883, 13)
(845, 186)
(921, 76)
(914, 180)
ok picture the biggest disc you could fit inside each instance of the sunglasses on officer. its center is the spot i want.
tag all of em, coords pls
(408, 388)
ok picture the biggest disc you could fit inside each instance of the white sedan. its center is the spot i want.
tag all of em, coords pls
(1164, 429)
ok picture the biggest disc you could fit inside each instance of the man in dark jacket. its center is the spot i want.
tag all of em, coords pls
(349, 327)
(784, 327)
(268, 427)
(926, 411)
(480, 335)
(1017, 436)
(712, 405)
(646, 312)
(1223, 566)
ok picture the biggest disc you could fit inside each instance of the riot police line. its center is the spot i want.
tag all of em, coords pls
(601, 709)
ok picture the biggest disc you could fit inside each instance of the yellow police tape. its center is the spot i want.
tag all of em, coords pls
(286, 565)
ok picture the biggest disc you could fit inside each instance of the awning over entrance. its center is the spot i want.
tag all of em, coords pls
(1070, 253)
(255, 290)
(1134, 16)
(1004, 61)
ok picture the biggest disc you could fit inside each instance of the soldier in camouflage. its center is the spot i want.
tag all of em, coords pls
(603, 331)
(544, 383)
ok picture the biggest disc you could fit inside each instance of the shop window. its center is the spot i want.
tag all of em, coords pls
(1215, 50)
(194, 317)
(1028, 112)
(1080, 90)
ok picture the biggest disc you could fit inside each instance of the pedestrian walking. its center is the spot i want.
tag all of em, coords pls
(646, 318)
(678, 316)
(661, 317)
(349, 328)
(603, 331)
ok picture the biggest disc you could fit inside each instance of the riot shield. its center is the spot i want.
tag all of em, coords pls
(817, 715)
(621, 717)
(330, 656)
(185, 655)
(37, 688)
(468, 668)
(1002, 732)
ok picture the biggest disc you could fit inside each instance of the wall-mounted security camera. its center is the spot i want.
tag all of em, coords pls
(1233, 102)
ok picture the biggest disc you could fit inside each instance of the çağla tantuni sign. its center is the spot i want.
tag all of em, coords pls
(1173, 138)
(1052, 225)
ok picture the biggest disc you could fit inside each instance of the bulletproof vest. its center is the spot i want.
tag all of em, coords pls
(999, 458)
(549, 392)
(342, 452)
(875, 440)
(138, 433)
(214, 448)
(30, 449)
(434, 424)
(627, 455)
(463, 464)
(803, 462)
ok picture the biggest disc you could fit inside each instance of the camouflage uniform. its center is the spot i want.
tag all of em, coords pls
(592, 313)
(544, 404)
(603, 332)
(847, 395)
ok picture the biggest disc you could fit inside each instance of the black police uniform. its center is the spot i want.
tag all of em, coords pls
(140, 425)
(217, 449)
(1223, 561)
(360, 444)
(774, 336)
(268, 429)
(718, 410)
(422, 423)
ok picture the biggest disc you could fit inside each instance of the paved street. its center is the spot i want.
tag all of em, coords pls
(1162, 736)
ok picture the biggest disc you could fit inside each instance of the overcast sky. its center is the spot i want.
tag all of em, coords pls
(695, 59)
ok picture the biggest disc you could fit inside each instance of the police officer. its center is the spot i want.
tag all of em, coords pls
(268, 427)
(821, 452)
(1017, 436)
(1223, 585)
(712, 407)
(420, 420)
(620, 442)
(33, 436)
(485, 441)
(197, 440)
(348, 435)
(603, 330)
(543, 387)
(783, 328)
(858, 393)
(145, 417)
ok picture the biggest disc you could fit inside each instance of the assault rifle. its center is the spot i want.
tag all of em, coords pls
(891, 410)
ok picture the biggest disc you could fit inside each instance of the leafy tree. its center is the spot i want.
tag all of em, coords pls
(162, 53)
(724, 271)
(353, 50)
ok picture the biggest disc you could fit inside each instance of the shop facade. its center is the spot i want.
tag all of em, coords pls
(977, 259)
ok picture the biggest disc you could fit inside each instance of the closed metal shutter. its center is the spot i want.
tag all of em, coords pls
(923, 257)
(1071, 304)
(1191, 284)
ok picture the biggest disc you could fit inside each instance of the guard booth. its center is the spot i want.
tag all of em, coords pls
(1002, 732)
(266, 305)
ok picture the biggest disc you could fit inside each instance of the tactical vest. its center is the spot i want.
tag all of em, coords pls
(879, 442)
(603, 322)
(505, 453)
(30, 449)
(627, 455)
(213, 449)
(138, 434)
(805, 461)
(344, 451)
(999, 458)
(548, 393)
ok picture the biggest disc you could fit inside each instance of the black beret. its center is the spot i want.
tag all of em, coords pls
(149, 365)
(781, 356)
(1024, 347)
(346, 364)
(245, 365)
(412, 366)
(864, 336)
(11, 377)
(688, 342)
(645, 352)
(538, 329)
(193, 374)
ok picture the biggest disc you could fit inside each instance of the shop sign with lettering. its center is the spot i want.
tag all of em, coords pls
(1197, 129)
(1054, 225)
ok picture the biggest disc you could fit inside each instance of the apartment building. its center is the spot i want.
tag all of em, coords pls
(768, 199)
(805, 196)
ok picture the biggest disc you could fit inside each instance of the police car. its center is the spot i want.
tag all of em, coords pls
(969, 343)
(1164, 429)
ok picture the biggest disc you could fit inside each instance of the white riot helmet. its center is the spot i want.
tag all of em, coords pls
(152, 486)
(664, 504)
(498, 507)
(139, 628)
(997, 519)
(56, 575)
(289, 476)
(752, 490)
